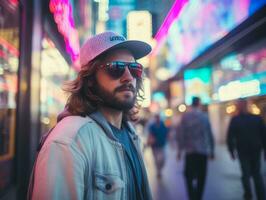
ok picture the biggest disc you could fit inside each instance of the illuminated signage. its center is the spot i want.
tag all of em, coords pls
(240, 75)
(252, 85)
(62, 11)
(167, 23)
(200, 24)
(198, 83)
(102, 10)
(139, 25)
(147, 93)
(238, 89)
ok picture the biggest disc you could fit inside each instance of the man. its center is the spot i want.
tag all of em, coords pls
(196, 140)
(93, 152)
(247, 137)
(157, 139)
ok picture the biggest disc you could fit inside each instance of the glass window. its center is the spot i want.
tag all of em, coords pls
(9, 54)
(54, 72)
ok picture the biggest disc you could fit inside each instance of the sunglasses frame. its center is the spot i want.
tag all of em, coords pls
(118, 71)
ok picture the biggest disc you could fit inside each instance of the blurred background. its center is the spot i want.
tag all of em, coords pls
(214, 49)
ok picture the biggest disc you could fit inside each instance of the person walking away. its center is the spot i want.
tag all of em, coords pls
(246, 138)
(94, 152)
(195, 139)
(157, 139)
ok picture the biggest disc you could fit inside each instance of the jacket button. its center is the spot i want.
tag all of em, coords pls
(108, 186)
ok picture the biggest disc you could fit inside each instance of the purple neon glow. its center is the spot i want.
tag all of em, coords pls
(170, 18)
(63, 16)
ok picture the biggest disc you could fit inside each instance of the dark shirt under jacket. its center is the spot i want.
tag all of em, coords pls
(132, 162)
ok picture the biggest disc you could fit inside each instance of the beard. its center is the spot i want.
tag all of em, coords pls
(109, 99)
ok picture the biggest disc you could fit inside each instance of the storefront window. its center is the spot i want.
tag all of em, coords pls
(54, 72)
(241, 74)
(9, 53)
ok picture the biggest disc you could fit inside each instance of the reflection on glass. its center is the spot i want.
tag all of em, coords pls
(9, 52)
(54, 72)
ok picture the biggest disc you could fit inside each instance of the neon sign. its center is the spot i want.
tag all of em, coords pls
(63, 16)
(239, 89)
(200, 24)
(170, 18)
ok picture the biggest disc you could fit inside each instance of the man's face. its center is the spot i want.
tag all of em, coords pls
(117, 93)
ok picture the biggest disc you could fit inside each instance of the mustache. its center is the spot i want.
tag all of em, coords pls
(129, 87)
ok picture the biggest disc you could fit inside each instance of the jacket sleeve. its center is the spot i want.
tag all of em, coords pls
(230, 140)
(59, 173)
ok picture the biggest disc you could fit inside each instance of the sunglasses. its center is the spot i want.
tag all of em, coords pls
(116, 69)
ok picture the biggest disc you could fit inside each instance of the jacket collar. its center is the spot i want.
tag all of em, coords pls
(100, 119)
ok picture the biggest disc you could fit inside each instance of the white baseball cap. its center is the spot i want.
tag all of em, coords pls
(108, 40)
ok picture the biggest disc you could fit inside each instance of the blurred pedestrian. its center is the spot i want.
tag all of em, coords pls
(157, 139)
(93, 152)
(195, 138)
(247, 137)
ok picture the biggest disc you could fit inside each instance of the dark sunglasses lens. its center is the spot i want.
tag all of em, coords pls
(116, 69)
(135, 69)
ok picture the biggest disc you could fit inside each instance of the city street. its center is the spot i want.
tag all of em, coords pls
(222, 183)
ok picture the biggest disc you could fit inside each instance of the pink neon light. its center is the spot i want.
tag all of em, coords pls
(14, 2)
(241, 9)
(3, 54)
(170, 18)
(13, 50)
(63, 17)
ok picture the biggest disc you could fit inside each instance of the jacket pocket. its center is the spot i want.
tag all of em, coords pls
(108, 186)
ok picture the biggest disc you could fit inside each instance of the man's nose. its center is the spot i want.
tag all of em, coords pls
(127, 76)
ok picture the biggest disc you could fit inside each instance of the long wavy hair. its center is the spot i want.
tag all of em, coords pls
(83, 99)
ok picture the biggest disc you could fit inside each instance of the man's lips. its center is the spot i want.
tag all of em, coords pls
(123, 88)
(126, 89)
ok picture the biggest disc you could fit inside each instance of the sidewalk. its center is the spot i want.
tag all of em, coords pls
(222, 183)
(223, 179)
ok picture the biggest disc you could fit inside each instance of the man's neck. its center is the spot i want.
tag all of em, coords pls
(113, 116)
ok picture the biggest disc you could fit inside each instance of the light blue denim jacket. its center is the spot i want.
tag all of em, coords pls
(81, 159)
